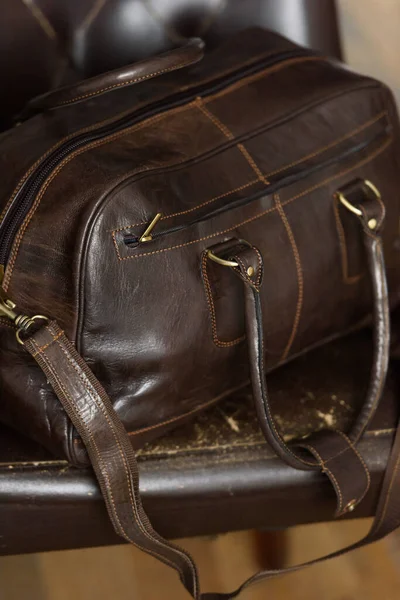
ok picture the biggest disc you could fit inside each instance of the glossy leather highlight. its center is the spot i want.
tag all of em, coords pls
(173, 60)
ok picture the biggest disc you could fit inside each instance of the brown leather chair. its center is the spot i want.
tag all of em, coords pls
(216, 474)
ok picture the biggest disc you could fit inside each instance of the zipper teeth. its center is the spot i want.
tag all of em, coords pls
(25, 197)
(134, 240)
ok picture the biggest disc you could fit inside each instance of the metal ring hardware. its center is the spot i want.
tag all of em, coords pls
(372, 223)
(221, 261)
(26, 324)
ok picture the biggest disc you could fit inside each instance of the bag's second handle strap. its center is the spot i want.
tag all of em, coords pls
(190, 53)
(362, 199)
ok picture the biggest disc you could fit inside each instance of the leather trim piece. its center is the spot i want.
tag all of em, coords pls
(347, 278)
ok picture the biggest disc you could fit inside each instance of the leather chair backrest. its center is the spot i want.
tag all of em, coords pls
(46, 43)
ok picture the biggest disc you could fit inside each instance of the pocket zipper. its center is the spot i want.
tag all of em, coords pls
(134, 241)
(25, 197)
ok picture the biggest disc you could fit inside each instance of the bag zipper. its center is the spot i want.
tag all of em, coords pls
(25, 197)
(134, 241)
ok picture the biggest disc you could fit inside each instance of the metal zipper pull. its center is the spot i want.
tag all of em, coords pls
(7, 310)
(6, 305)
(146, 235)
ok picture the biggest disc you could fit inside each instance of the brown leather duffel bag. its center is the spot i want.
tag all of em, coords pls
(167, 240)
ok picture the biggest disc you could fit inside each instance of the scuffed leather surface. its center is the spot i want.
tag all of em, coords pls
(144, 325)
(108, 446)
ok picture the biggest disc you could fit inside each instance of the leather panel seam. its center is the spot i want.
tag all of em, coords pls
(321, 150)
(211, 309)
(300, 278)
(363, 162)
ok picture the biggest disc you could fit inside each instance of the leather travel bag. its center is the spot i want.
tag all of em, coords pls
(174, 229)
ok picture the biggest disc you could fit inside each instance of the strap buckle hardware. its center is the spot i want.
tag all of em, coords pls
(372, 223)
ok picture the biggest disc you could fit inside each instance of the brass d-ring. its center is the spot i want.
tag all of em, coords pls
(348, 204)
(27, 325)
(221, 261)
(351, 206)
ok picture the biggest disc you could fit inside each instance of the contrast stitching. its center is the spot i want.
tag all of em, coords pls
(46, 154)
(200, 239)
(300, 278)
(343, 451)
(292, 199)
(185, 212)
(361, 163)
(116, 246)
(79, 414)
(260, 266)
(330, 474)
(284, 219)
(122, 84)
(120, 134)
(4, 324)
(76, 133)
(95, 144)
(130, 129)
(343, 246)
(104, 470)
(256, 76)
(254, 181)
(374, 432)
(248, 278)
(198, 408)
(55, 338)
(360, 458)
(94, 395)
(211, 307)
(336, 142)
(229, 135)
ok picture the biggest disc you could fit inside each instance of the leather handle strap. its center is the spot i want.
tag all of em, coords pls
(108, 446)
(369, 210)
(190, 53)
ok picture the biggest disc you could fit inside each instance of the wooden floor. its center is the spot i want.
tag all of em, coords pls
(123, 573)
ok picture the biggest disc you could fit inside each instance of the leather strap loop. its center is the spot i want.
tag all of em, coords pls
(108, 446)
